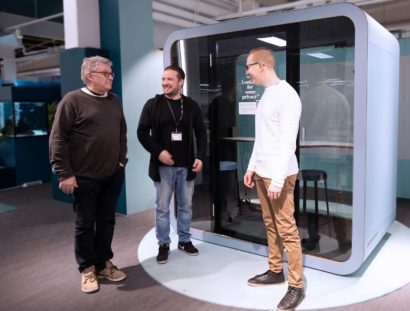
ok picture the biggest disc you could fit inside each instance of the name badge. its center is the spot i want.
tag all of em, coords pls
(175, 136)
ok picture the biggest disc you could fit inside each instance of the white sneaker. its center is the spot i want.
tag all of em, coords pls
(89, 282)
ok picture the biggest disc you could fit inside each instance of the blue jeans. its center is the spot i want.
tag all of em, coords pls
(173, 178)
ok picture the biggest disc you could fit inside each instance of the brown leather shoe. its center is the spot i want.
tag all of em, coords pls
(111, 272)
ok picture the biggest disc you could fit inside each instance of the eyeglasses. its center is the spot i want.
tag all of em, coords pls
(249, 65)
(106, 74)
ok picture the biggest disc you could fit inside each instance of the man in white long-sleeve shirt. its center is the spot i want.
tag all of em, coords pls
(274, 166)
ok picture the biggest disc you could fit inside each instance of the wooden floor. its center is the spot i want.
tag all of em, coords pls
(38, 270)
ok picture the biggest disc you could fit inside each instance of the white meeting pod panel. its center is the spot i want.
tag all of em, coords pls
(345, 67)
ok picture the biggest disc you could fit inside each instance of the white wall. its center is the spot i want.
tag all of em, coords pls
(161, 32)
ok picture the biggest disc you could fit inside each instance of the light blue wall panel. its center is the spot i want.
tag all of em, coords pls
(141, 69)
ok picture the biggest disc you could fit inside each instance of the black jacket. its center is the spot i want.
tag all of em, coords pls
(149, 129)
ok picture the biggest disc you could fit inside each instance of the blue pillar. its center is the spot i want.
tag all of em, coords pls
(126, 33)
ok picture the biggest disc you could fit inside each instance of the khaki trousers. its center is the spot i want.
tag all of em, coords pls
(281, 229)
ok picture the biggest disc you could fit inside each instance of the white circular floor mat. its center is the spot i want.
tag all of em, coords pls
(219, 275)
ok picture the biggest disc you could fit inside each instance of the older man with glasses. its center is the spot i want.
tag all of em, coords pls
(88, 149)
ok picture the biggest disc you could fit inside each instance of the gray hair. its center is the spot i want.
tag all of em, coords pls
(91, 63)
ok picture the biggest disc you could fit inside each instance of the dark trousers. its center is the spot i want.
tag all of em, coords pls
(94, 207)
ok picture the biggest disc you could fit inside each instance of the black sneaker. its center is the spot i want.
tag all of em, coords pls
(267, 278)
(292, 299)
(188, 248)
(163, 252)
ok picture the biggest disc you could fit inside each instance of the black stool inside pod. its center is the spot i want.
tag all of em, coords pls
(315, 176)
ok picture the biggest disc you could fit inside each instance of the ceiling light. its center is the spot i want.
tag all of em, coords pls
(274, 41)
(320, 55)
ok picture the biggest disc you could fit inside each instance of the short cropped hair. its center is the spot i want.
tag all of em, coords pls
(179, 71)
(91, 63)
(263, 55)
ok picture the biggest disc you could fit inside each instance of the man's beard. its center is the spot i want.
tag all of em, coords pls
(171, 93)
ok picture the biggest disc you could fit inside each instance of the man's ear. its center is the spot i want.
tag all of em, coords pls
(88, 77)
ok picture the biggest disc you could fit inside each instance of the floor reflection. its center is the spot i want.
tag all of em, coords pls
(240, 216)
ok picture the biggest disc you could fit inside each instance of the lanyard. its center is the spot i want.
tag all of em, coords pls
(173, 115)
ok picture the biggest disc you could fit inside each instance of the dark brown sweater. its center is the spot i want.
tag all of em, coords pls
(88, 137)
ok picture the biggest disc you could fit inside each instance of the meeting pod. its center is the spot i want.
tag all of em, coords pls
(345, 67)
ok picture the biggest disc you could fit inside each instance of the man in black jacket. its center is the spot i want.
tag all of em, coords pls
(166, 130)
(88, 147)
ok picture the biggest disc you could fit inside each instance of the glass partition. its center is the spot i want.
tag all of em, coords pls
(326, 149)
(20, 119)
(6, 119)
(30, 119)
(6, 133)
(316, 58)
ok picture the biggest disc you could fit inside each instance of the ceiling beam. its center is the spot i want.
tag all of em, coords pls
(31, 27)
(34, 21)
(165, 18)
(186, 15)
(198, 7)
(295, 5)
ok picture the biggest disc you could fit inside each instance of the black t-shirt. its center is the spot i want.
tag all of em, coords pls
(169, 124)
